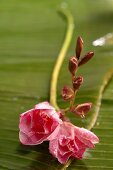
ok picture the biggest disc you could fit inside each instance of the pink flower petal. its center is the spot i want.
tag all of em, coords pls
(36, 125)
(25, 119)
(64, 158)
(86, 136)
(79, 154)
(44, 106)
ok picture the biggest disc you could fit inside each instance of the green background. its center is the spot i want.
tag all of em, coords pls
(31, 35)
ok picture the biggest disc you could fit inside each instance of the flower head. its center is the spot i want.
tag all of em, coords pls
(77, 82)
(79, 47)
(86, 58)
(71, 142)
(73, 65)
(81, 109)
(67, 93)
(38, 123)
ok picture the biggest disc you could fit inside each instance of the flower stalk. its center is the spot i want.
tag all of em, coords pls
(61, 56)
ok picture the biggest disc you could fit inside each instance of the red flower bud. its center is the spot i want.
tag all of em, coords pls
(73, 65)
(82, 109)
(67, 93)
(77, 81)
(86, 58)
(79, 47)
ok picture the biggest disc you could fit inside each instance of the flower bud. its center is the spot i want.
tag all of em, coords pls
(67, 93)
(79, 47)
(73, 65)
(77, 81)
(86, 58)
(82, 109)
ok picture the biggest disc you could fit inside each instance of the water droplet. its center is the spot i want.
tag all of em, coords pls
(105, 40)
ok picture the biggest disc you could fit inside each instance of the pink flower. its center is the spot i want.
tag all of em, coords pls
(38, 123)
(71, 142)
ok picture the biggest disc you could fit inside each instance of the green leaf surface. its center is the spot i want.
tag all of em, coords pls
(31, 35)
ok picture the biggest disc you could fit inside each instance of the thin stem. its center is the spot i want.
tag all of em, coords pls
(72, 102)
(107, 79)
(62, 54)
(67, 164)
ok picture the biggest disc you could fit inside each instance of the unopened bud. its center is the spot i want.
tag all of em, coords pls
(86, 58)
(79, 47)
(82, 109)
(67, 93)
(73, 65)
(77, 81)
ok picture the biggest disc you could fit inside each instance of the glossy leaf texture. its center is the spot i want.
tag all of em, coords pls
(31, 35)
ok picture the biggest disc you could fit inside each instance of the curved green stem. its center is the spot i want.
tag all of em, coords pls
(62, 53)
(107, 79)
